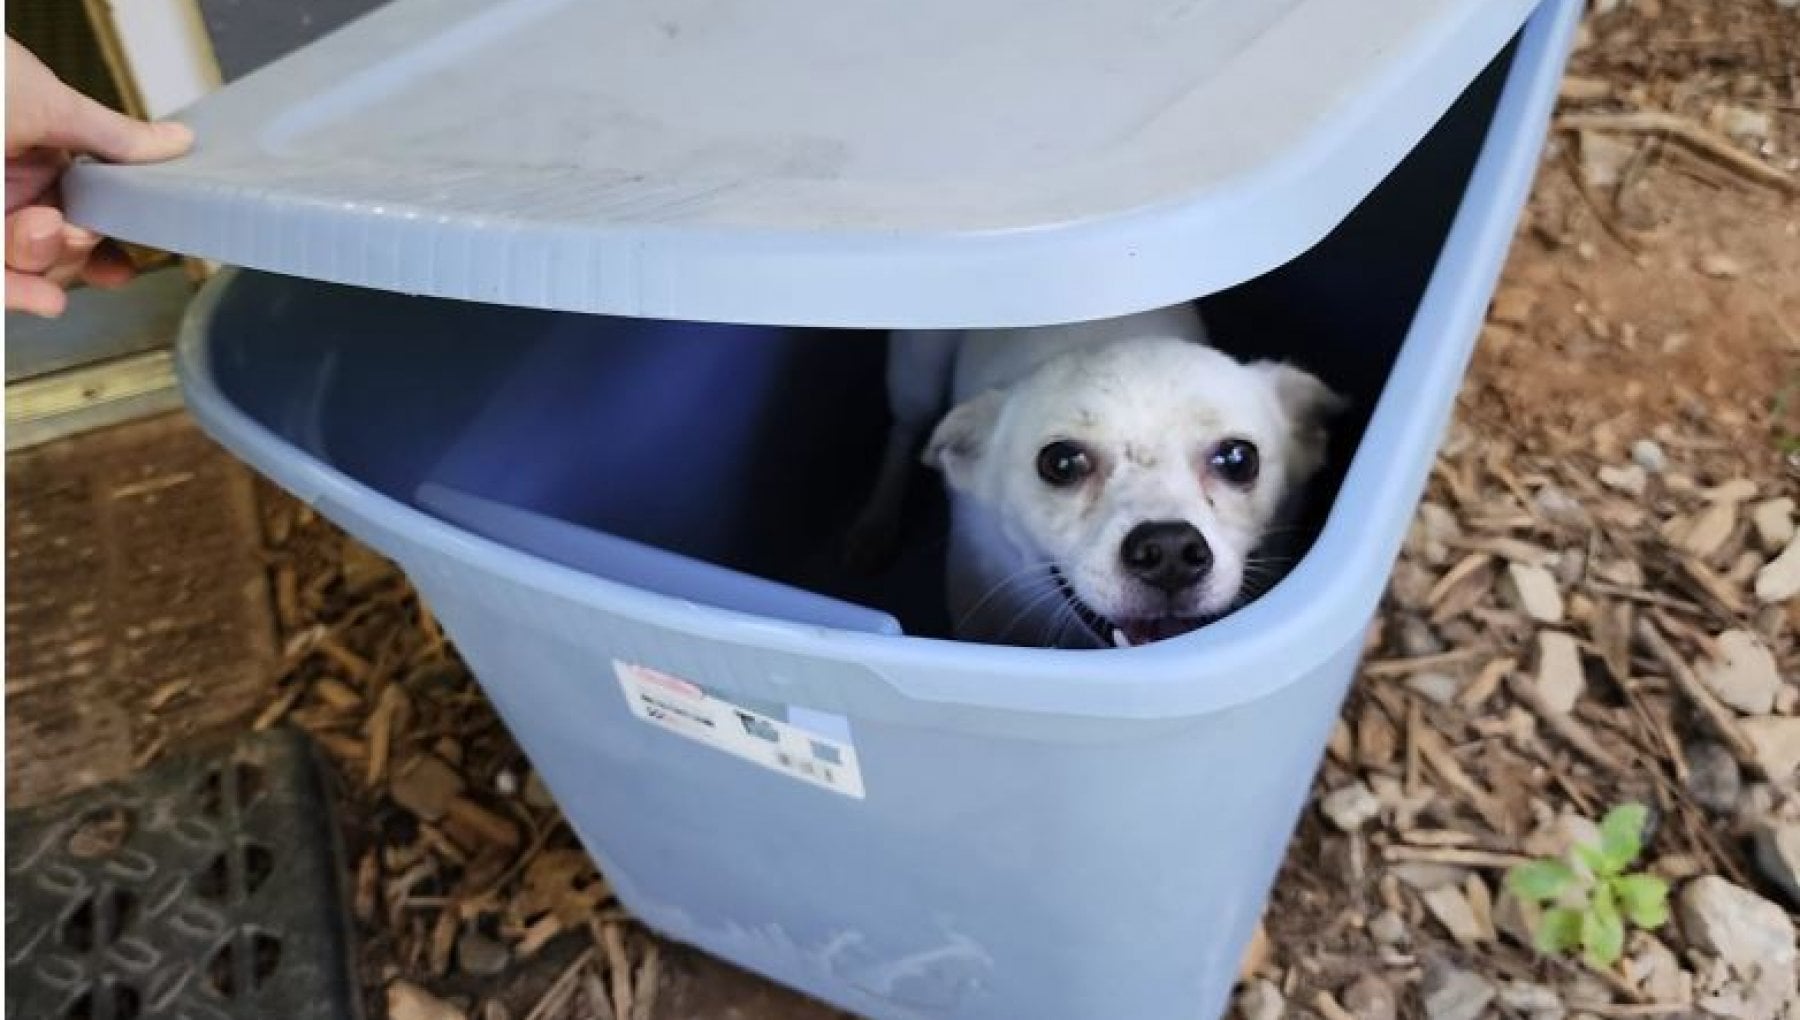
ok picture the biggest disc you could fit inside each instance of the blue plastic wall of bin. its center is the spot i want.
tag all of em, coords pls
(1044, 834)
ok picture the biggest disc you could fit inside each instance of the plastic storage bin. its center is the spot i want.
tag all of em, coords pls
(627, 527)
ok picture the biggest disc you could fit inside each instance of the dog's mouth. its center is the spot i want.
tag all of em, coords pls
(1126, 632)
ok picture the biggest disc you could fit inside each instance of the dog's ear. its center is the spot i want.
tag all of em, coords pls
(959, 440)
(1309, 405)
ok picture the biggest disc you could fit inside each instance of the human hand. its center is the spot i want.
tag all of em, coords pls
(48, 124)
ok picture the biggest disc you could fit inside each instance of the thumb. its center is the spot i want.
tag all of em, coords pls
(87, 128)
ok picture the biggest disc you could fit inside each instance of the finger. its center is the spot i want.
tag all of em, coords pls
(79, 237)
(71, 262)
(34, 239)
(31, 178)
(87, 127)
(109, 266)
(34, 295)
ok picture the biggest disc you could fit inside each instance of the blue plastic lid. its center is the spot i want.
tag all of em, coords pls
(898, 163)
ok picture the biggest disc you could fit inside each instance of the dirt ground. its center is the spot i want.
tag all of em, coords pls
(1609, 498)
(1653, 295)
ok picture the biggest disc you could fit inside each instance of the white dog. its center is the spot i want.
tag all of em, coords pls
(1110, 481)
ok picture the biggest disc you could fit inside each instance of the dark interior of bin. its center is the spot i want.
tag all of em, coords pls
(752, 447)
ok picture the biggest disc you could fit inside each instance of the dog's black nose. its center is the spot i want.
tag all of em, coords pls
(1171, 555)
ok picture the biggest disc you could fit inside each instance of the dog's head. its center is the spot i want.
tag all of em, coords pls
(1143, 472)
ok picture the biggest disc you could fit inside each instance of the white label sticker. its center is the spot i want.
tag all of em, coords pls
(680, 707)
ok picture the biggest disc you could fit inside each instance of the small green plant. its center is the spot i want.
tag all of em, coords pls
(1587, 907)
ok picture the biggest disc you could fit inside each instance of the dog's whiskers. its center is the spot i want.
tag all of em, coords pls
(1065, 615)
(1068, 615)
(1049, 592)
(1012, 580)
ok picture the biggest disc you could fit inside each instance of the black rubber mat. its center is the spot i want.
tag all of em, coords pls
(203, 889)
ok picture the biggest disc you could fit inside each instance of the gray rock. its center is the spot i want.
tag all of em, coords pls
(1388, 928)
(1778, 857)
(1540, 1002)
(1558, 506)
(1437, 688)
(1645, 453)
(1780, 579)
(1440, 529)
(1776, 741)
(1370, 998)
(1533, 590)
(1629, 478)
(1748, 126)
(1720, 266)
(1755, 805)
(1570, 568)
(1560, 679)
(1713, 776)
(1451, 993)
(1741, 928)
(1416, 638)
(1456, 913)
(1584, 987)
(480, 956)
(1261, 1000)
(506, 783)
(1744, 675)
(1774, 520)
(1352, 807)
(1653, 969)
(1411, 585)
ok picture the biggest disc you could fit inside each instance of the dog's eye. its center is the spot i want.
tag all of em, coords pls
(1236, 461)
(1064, 463)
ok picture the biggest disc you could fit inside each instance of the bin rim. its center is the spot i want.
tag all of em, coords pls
(1313, 614)
(1288, 114)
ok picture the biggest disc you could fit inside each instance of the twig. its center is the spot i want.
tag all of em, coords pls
(1714, 587)
(524, 859)
(1414, 724)
(649, 977)
(562, 989)
(1699, 831)
(1400, 853)
(618, 966)
(1660, 729)
(1601, 213)
(1437, 754)
(381, 731)
(1631, 1009)
(1329, 1009)
(1578, 88)
(1685, 679)
(358, 667)
(1566, 726)
(1567, 785)
(1385, 668)
(1681, 129)
(1436, 837)
(1651, 598)
(1510, 549)
(1486, 683)
(595, 990)
(489, 826)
